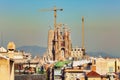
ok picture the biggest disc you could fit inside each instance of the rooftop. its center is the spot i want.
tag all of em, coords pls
(93, 74)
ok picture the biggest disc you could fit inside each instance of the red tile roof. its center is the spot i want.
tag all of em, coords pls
(93, 74)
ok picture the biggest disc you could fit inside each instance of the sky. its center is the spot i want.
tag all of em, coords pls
(25, 22)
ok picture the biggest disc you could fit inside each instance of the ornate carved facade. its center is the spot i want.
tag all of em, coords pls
(59, 42)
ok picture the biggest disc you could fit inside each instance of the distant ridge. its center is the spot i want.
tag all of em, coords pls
(38, 50)
(34, 50)
(102, 54)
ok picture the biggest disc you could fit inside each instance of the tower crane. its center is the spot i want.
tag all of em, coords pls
(55, 14)
(83, 32)
(83, 45)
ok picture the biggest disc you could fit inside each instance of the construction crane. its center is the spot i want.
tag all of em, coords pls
(55, 14)
(83, 45)
(83, 33)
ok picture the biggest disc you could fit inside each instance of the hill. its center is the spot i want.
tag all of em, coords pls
(97, 54)
(34, 50)
(38, 50)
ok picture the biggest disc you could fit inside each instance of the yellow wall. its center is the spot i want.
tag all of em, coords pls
(101, 66)
(94, 78)
(6, 69)
(111, 64)
(104, 66)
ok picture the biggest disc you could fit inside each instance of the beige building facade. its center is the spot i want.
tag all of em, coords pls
(107, 66)
(6, 68)
(77, 53)
(73, 74)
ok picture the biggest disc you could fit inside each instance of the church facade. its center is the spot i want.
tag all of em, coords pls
(59, 42)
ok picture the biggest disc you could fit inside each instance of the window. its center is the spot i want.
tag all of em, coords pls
(75, 49)
(110, 69)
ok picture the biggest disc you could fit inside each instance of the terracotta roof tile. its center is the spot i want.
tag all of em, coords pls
(93, 74)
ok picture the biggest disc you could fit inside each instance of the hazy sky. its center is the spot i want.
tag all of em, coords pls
(22, 21)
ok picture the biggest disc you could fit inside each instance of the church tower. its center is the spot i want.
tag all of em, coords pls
(59, 42)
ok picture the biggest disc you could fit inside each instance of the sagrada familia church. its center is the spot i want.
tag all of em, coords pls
(59, 42)
(60, 46)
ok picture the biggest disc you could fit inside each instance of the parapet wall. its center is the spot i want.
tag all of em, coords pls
(30, 77)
